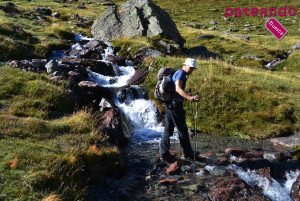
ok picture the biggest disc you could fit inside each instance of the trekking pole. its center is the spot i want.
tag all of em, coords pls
(195, 138)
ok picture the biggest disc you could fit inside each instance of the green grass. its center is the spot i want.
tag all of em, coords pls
(235, 101)
(42, 154)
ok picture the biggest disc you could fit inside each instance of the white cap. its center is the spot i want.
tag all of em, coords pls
(191, 62)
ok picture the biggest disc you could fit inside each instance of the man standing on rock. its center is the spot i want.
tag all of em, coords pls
(175, 114)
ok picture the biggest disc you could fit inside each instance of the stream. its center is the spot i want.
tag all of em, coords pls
(145, 174)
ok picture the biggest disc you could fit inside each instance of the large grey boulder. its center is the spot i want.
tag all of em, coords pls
(136, 18)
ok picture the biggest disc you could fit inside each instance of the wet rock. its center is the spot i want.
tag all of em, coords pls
(117, 126)
(168, 181)
(208, 155)
(138, 77)
(136, 18)
(93, 44)
(218, 171)
(100, 67)
(295, 190)
(74, 53)
(186, 168)
(265, 172)
(223, 162)
(254, 164)
(231, 187)
(234, 152)
(116, 60)
(253, 154)
(75, 77)
(145, 53)
(52, 66)
(174, 168)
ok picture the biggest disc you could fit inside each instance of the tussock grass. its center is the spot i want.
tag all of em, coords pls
(42, 157)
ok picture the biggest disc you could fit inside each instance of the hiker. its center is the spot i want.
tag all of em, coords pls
(175, 114)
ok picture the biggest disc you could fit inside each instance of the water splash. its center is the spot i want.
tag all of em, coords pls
(275, 190)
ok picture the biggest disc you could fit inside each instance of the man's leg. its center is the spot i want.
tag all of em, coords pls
(178, 117)
(168, 131)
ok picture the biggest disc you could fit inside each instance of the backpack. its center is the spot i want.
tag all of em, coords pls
(165, 88)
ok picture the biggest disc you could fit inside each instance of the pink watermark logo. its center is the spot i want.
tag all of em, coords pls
(276, 28)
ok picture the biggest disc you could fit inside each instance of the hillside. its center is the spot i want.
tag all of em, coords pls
(44, 138)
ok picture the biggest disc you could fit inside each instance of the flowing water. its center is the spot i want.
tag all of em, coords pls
(143, 147)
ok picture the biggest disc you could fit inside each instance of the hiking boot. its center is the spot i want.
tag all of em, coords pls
(191, 157)
(168, 158)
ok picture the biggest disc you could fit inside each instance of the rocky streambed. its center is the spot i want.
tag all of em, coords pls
(231, 169)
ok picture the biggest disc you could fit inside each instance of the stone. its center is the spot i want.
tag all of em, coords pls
(247, 29)
(95, 44)
(186, 168)
(254, 164)
(212, 28)
(201, 51)
(205, 37)
(296, 46)
(170, 49)
(115, 59)
(107, 3)
(244, 37)
(136, 18)
(168, 181)
(52, 66)
(82, 6)
(138, 77)
(44, 11)
(74, 53)
(145, 53)
(174, 168)
(10, 9)
(228, 188)
(56, 15)
(9, 4)
(295, 190)
(223, 162)
(116, 126)
(253, 154)
(105, 105)
(212, 22)
(235, 152)
(38, 63)
(100, 67)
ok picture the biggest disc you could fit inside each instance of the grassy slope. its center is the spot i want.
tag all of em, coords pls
(40, 155)
(239, 101)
